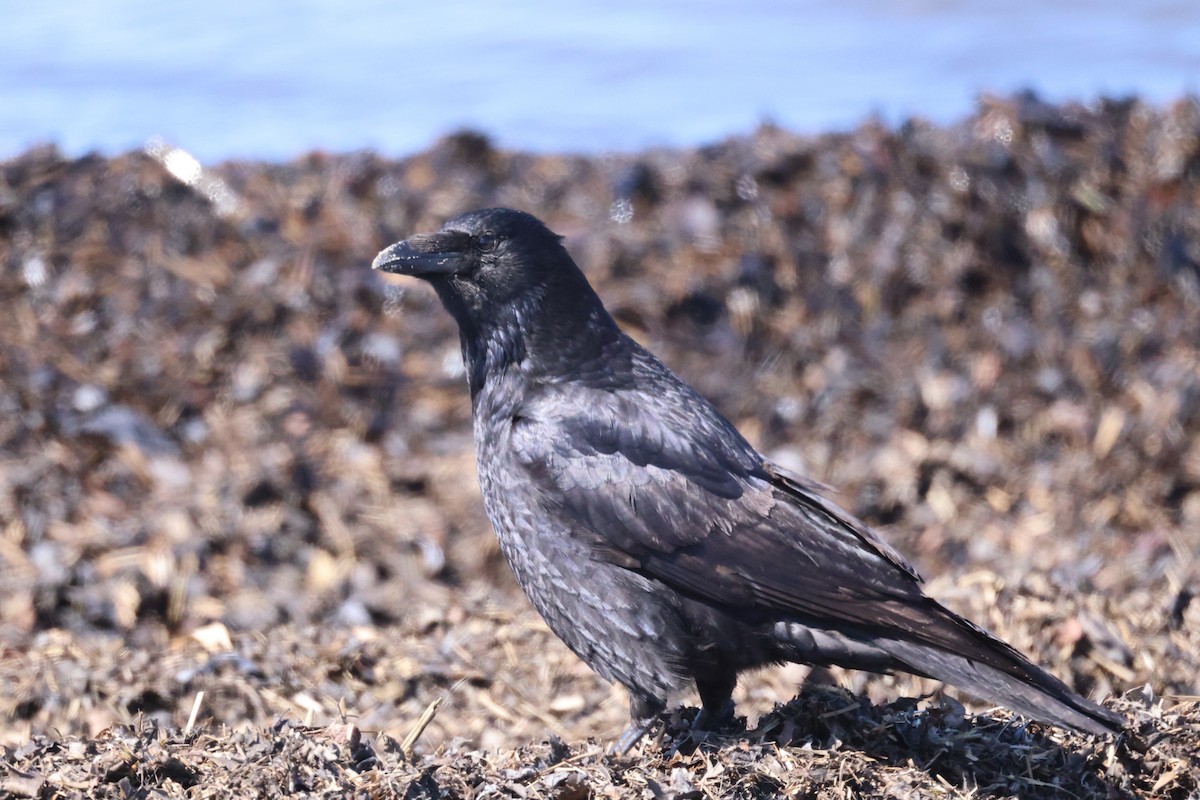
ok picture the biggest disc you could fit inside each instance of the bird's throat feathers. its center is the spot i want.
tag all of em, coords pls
(537, 333)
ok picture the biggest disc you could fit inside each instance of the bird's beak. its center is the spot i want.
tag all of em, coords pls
(443, 253)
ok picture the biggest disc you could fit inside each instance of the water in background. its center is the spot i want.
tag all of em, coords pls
(274, 78)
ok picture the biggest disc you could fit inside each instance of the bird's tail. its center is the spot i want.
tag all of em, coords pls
(1028, 689)
(948, 648)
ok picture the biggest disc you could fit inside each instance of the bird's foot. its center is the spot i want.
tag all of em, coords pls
(709, 719)
(704, 724)
(637, 729)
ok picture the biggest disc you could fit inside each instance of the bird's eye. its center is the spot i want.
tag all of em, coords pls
(486, 242)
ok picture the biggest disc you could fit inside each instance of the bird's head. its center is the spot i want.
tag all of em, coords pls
(505, 277)
(483, 261)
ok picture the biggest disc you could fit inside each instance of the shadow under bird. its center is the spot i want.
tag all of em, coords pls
(661, 547)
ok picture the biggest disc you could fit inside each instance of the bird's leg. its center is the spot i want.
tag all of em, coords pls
(716, 708)
(716, 701)
(643, 715)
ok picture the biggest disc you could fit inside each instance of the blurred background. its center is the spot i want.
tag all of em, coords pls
(232, 79)
(235, 461)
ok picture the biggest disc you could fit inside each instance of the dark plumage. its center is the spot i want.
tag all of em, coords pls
(656, 542)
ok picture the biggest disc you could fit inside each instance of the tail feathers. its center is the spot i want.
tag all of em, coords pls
(1033, 693)
(1009, 679)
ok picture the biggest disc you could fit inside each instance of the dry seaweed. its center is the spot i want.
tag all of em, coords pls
(237, 483)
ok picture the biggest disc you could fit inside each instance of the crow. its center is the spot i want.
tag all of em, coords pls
(656, 542)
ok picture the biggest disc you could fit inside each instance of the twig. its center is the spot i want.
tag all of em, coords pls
(426, 717)
(195, 712)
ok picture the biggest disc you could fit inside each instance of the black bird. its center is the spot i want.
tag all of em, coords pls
(654, 540)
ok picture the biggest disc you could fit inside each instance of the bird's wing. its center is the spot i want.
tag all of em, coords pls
(674, 493)
(671, 490)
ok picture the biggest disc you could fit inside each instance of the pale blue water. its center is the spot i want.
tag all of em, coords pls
(272, 79)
